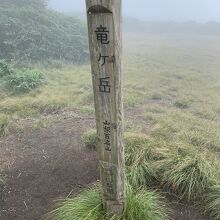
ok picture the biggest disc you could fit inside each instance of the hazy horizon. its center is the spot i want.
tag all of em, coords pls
(155, 10)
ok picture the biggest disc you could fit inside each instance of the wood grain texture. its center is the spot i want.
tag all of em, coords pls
(106, 74)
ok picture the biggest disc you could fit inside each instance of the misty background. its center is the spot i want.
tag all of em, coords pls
(155, 10)
(158, 16)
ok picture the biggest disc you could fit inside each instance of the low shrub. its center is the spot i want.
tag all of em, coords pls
(4, 69)
(23, 81)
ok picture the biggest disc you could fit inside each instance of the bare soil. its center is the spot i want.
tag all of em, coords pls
(44, 165)
(50, 161)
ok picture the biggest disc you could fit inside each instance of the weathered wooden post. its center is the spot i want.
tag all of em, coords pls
(104, 26)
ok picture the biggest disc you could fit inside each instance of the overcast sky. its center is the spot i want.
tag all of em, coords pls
(177, 10)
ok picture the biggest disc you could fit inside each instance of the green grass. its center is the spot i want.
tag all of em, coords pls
(69, 87)
(140, 154)
(182, 104)
(212, 201)
(90, 138)
(3, 124)
(144, 204)
(140, 205)
(4, 69)
(183, 170)
(184, 77)
(180, 92)
(188, 173)
(19, 82)
(85, 206)
(2, 180)
(176, 126)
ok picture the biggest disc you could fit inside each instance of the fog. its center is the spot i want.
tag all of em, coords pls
(155, 10)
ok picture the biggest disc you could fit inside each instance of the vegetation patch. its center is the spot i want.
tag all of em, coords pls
(212, 201)
(88, 110)
(183, 104)
(19, 81)
(32, 33)
(2, 180)
(157, 96)
(3, 124)
(4, 69)
(140, 154)
(23, 81)
(140, 205)
(175, 127)
(188, 172)
(90, 138)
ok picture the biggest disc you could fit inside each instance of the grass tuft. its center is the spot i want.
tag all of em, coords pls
(212, 201)
(86, 206)
(2, 180)
(144, 205)
(188, 172)
(86, 109)
(157, 96)
(140, 205)
(140, 154)
(183, 104)
(3, 124)
(90, 138)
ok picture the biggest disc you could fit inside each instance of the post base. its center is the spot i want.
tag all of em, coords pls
(114, 207)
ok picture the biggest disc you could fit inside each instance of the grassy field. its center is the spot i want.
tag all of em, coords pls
(174, 80)
(181, 71)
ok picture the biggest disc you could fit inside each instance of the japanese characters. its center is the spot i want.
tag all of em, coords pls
(104, 85)
(102, 34)
(107, 135)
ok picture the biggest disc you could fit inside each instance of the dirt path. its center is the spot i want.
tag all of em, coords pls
(47, 160)
(45, 164)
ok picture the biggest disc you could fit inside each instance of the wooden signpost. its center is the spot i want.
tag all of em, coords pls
(104, 27)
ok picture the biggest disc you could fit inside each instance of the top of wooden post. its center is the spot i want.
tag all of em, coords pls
(104, 6)
(111, 5)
